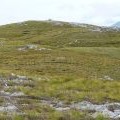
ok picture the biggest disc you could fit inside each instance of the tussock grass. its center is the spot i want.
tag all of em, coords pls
(82, 64)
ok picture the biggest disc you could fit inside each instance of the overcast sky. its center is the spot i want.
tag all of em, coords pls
(98, 12)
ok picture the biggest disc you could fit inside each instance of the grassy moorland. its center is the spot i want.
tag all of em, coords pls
(66, 62)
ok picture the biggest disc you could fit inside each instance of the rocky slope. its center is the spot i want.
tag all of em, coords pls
(52, 70)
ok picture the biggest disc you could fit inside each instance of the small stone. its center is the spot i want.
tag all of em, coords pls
(17, 94)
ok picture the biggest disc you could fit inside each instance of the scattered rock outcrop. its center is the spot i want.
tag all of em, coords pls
(32, 47)
(10, 104)
(111, 110)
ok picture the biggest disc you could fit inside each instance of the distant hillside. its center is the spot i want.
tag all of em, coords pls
(56, 33)
(117, 25)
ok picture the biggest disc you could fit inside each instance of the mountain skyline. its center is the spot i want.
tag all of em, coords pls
(114, 25)
(117, 25)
